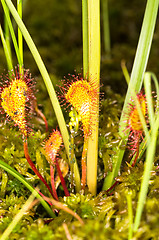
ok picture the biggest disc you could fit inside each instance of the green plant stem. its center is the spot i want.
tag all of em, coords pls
(18, 176)
(7, 35)
(93, 74)
(125, 71)
(148, 91)
(105, 12)
(130, 215)
(20, 37)
(139, 66)
(85, 37)
(157, 90)
(49, 86)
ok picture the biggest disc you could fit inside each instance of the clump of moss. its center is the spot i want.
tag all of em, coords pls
(39, 230)
(9, 207)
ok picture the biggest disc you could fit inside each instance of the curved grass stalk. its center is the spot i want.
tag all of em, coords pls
(15, 174)
(49, 86)
(136, 79)
(7, 35)
(147, 84)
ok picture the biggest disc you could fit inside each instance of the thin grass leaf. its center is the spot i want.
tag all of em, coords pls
(105, 10)
(154, 78)
(148, 92)
(7, 35)
(20, 36)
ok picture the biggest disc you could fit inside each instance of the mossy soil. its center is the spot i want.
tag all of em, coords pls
(56, 29)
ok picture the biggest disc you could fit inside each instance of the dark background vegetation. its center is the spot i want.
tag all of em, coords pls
(56, 29)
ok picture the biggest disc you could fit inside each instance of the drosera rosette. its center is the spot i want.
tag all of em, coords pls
(134, 124)
(16, 98)
(51, 147)
(82, 95)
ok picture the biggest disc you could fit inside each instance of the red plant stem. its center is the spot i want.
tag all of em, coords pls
(42, 116)
(33, 166)
(109, 189)
(62, 179)
(53, 182)
(83, 163)
(137, 154)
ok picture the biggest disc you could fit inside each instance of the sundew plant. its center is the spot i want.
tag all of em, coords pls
(70, 173)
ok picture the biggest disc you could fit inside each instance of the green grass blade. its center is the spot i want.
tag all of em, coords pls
(130, 214)
(7, 35)
(105, 11)
(49, 86)
(14, 173)
(157, 90)
(20, 36)
(6, 50)
(11, 31)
